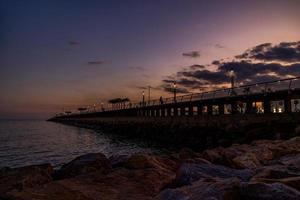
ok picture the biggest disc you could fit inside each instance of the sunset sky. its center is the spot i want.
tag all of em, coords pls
(63, 54)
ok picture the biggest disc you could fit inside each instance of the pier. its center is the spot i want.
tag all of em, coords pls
(273, 97)
(268, 110)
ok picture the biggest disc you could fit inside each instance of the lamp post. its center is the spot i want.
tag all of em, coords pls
(174, 88)
(143, 93)
(149, 87)
(232, 76)
(102, 106)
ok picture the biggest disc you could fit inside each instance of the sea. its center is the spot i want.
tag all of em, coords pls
(28, 142)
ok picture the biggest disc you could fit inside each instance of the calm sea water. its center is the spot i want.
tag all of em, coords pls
(33, 142)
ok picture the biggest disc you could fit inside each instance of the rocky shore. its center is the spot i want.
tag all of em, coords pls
(262, 170)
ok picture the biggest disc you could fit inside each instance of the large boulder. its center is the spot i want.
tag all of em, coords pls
(252, 156)
(207, 189)
(84, 164)
(292, 161)
(24, 177)
(190, 172)
(263, 191)
(139, 177)
(144, 161)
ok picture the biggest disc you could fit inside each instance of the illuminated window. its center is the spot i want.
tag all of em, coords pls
(172, 111)
(166, 112)
(195, 110)
(215, 109)
(258, 107)
(277, 106)
(295, 105)
(241, 107)
(227, 109)
(186, 109)
(204, 109)
(178, 111)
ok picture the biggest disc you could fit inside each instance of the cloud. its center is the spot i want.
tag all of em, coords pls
(249, 68)
(216, 62)
(219, 46)
(72, 43)
(170, 89)
(197, 67)
(192, 54)
(137, 68)
(96, 62)
(282, 52)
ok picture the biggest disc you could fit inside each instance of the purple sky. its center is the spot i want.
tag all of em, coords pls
(65, 54)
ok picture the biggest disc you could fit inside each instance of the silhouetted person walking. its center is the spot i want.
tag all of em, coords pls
(161, 100)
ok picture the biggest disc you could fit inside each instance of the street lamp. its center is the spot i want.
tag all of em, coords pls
(232, 76)
(174, 88)
(149, 88)
(143, 93)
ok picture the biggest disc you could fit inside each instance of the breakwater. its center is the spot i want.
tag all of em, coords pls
(196, 132)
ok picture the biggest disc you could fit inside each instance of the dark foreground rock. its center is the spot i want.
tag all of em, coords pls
(205, 189)
(262, 170)
(262, 191)
(84, 164)
(25, 177)
(190, 172)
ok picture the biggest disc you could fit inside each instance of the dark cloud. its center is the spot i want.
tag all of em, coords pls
(72, 43)
(284, 52)
(216, 62)
(193, 67)
(170, 89)
(96, 62)
(250, 68)
(192, 54)
(219, 46)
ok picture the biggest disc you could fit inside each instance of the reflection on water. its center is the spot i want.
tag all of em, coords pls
(32, 142)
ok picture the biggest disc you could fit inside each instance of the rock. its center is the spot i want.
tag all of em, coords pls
(208, 189)
(292, 161)
(189, 173)
(252, 156)
(24, 177)
(140, 177)
(117, 160)
(248, 160)
(144, 161)
(84, 164)
(293, 182)
(263, 191)
(186, 153)
(275, 172)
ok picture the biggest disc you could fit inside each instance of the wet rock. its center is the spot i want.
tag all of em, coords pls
(190, 172)
(24, 177)
(263, 191)
(208, 189)
(84, 164)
